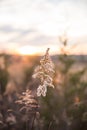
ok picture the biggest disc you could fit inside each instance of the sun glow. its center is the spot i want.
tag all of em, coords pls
(37, 50)
(28, 50)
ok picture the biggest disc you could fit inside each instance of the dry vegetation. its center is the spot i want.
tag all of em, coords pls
(53, 112)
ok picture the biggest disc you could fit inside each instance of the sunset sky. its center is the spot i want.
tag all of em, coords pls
(35, 25)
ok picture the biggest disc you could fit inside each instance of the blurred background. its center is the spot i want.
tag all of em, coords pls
(27, 29)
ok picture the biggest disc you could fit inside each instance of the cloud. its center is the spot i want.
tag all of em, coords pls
(39, 22)
(32, 38)
(14, 37)
(42, 13)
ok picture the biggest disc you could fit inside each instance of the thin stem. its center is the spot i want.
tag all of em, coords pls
(27, 124)
(49, 125)
(33, 121)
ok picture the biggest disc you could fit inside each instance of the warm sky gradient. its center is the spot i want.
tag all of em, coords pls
(38, 23)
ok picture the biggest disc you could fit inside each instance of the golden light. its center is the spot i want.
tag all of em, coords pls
(37, 50)
(77, 100)
(28, 50)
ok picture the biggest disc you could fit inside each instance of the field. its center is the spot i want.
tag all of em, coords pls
(62, 108)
